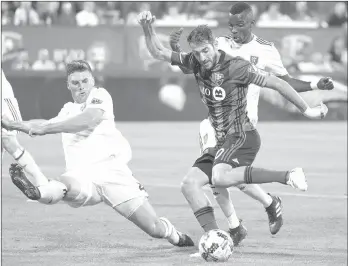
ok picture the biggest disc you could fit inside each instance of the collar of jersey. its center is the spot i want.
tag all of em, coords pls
(221, 59)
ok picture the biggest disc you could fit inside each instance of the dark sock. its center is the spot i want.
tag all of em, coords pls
(253, 175)
(206, 218)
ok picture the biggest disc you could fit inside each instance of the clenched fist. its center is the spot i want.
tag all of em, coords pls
(174, 39)
(325, 84)
(145, 18)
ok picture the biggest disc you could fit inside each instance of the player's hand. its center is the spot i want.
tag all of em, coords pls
(318, 112)
(37, 131)
(325, 84)
(174, 39)
(146, 18)
(6, 123)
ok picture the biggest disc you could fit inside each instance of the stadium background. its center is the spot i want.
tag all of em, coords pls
(38, 37)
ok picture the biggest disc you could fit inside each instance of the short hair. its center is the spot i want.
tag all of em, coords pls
(77, 66)
(239, 8)
(200, 34)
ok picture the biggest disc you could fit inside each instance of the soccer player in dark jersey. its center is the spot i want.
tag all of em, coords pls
(223, 83)
(264, 55)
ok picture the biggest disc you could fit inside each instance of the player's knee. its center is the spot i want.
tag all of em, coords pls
(222, 171)
(52, 193)
(155, 230)
(190, 181)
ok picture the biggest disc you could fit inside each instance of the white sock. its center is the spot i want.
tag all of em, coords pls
(222, 196)
(233, 221)
(28, 164)
(52, 192)
(171, 234)
(268, 201)
(257, 193)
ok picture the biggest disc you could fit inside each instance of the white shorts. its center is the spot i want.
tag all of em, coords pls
(114, 186)
(10, 110)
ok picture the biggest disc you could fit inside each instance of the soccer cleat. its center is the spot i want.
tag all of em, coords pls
(23, 183)
(297, 179)
(184, 241)
(238, 234)
(274, 212)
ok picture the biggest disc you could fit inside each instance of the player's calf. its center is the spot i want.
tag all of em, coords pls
(23, 158)
(224, 175)
(146, 219)
(192, 189)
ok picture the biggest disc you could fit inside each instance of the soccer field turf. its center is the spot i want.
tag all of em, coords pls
(315, 222)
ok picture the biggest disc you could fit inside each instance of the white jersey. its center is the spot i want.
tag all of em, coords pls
(260, 53)
(6, 88)
(93, 146)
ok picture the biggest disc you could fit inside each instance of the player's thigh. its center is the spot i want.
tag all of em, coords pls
(239, 149)
(201, 171)
(125, 194)
(80, 192)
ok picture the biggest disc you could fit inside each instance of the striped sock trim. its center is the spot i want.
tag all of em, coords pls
(247, 175)
(203, 211)
(168, 226)
(19, 156)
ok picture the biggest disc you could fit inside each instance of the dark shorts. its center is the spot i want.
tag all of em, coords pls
(239, 149)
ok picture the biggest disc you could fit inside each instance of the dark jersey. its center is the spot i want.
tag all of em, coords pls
(223, 89)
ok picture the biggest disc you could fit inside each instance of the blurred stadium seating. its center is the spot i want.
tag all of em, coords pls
(39, 37)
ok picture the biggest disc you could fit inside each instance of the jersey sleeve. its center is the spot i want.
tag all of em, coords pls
(101, 99)
(243, 72)
(184, 60)
(273, 62)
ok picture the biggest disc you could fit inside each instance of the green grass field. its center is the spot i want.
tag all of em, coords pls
(314, 232)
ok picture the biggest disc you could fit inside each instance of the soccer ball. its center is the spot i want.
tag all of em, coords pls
(216, 245)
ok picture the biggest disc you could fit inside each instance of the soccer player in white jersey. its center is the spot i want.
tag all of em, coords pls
(9, 142)
(96, 156)
(263, 54)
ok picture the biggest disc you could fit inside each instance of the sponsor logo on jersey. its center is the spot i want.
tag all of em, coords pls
(96, 101)
(219, 93)
(218, 78)
(254, 59)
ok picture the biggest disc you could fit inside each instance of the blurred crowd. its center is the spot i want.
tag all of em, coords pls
(295, 48)
(324, 14)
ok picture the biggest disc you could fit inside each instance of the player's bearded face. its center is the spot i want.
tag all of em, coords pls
(206, 54)
(240, 26)
(80, 85)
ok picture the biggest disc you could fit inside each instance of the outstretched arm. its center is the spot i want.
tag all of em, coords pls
(292, 96)
(245, 74)
(302, 86)
(89, 119)
(154, 45)
(23, 126)
(275, 65)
